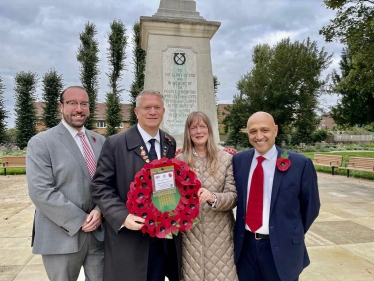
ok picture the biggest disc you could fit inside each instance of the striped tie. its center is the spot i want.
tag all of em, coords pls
(88, 155)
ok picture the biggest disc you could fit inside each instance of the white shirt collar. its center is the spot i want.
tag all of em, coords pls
(268, 155)
(72, 130)
(146, 137)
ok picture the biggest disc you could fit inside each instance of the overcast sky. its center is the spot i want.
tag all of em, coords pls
(41, 34)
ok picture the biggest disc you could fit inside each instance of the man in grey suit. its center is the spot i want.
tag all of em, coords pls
(60, 164)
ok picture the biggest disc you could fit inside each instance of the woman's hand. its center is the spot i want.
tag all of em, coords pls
(205, 195)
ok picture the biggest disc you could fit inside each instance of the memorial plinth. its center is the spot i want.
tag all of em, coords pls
(179, 65)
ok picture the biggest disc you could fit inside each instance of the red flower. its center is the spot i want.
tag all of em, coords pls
(163, 229)
(230, 150)
(178, 151)
(193, 209)
(185, 221)
(150, 227)
(94, 139)
(168, 139)
(283, 163)
(141, 194)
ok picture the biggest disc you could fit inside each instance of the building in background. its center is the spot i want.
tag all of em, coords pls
(100, 117)
(101, 124)
(326, 122)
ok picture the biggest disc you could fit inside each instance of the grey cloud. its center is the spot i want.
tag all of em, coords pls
(42, 34)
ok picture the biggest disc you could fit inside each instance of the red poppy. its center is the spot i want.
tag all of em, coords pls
(150, 227)
(168, 139)
(163, 229)
(283, 163)
(178, 151)
(193, 209)
(185, 221)
(230, 150)
(141, 194)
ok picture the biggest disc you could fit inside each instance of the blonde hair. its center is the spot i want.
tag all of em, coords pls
(211, 147)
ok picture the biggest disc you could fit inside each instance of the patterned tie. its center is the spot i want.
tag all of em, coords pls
(152, 151)
(88, 155)
(253, 217)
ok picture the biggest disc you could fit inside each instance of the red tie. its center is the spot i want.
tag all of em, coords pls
(88, 155)
(253, 217)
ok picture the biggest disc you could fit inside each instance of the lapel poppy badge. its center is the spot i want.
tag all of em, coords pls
(283, 163)
(93, 138)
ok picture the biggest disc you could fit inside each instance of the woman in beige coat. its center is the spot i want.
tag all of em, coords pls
(208, 248)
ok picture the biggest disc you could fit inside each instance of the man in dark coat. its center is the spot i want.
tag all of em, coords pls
(130, 254)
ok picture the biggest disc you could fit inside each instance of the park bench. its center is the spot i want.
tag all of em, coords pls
(326, 160)
(13, 162)
(359, 164)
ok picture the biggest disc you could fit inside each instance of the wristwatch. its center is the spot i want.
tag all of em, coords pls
(214, 204)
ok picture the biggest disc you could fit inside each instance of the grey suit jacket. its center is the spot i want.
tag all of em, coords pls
(59, 186)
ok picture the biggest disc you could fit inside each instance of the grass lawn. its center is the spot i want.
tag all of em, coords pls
(346, 155)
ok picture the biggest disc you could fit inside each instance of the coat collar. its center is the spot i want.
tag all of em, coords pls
(136, 143)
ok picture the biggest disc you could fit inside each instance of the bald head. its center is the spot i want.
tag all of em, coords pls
(261, 116)
(262, 131)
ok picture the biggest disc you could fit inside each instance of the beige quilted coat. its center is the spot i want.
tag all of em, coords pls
(208, 248)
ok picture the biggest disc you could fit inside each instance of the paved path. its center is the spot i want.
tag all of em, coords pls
(340, 242)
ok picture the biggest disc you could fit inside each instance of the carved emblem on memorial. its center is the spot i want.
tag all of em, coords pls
(179, 58)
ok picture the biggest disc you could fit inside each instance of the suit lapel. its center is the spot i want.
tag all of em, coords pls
(135, 142)
(66, 138)
(246, 167)
(278, 176)
(165, 143)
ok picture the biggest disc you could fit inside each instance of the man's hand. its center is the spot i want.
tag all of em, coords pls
(92, 221)
(133, 222)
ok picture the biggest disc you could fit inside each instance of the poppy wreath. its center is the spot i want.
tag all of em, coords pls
(165, 224)
(230, 150)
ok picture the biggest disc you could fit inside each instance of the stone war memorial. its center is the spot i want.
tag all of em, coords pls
(178, 65)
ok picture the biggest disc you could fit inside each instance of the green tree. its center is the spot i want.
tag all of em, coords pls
(236, 121)
(25, 96)
(355, 106)
(88, 56)
(11, 135)
(138, 57)
(116, 54)
(52, 88)
(353, 26)
(351, 21)
(3, 113)
(285, 82)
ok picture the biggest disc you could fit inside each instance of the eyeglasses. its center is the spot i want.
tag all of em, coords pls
(201, 127)
(149, 108)
(74, 104)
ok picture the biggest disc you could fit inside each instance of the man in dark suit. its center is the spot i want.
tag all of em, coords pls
(278, 201)
(59, 165)
(130, 254)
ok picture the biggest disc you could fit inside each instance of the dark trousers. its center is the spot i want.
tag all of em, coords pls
(256, 260)
(162, 260)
